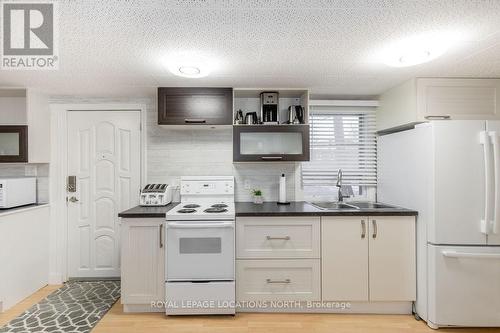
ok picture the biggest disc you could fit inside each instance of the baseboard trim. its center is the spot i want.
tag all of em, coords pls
(55, 278)
(131, 308)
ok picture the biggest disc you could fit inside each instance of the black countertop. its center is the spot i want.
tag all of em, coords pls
(144, 211)
(297, 208)
(301, 208)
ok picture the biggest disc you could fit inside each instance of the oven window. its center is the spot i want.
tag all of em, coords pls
(200, 245)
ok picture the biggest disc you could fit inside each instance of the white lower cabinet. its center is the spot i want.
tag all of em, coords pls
(142, 263)
(344, 258)
(278, 280)
(368, 259)
(392, 258)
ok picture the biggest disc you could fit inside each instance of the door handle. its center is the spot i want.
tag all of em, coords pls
(73, 199)
(486, 142)
(496, 162)
(199, 225)
(456, 254)
(161, 235)
(375, 231)
(363, 229)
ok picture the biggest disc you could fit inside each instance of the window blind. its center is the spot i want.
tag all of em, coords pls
(341, 138)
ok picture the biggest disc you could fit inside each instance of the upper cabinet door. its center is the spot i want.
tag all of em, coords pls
(424, 99)
(195, 106)
(443, 98)
(270, 143)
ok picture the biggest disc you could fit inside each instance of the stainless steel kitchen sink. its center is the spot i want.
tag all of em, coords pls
(370, 205)
(332, 205)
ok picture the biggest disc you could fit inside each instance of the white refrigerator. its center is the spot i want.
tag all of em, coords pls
(449, 171)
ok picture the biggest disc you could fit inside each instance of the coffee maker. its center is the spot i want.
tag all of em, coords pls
(269, 108)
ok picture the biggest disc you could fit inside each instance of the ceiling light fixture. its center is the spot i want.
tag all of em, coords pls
(188, 65)
(189, 70)
(417, 49)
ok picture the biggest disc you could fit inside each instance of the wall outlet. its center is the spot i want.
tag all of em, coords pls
(247, 184)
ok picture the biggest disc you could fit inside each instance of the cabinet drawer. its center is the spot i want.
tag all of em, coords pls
(278, 237)
(270, 280)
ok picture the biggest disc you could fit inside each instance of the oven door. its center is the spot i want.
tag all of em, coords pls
(200, 251)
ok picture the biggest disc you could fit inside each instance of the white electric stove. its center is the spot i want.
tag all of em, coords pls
(200, 248)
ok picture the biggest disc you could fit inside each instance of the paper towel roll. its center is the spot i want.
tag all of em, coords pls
(282, 191)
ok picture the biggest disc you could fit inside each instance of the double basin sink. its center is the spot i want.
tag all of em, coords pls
(327, 205)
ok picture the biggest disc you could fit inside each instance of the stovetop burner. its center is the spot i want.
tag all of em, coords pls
(219, 206)
(191, 206)
(215, 210)
(186, 210)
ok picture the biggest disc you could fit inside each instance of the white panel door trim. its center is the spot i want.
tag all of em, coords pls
(58, 166)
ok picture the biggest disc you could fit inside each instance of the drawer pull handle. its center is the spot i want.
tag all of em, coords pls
(363, 229)
(278, 238)
(286, 281)
(375, 229)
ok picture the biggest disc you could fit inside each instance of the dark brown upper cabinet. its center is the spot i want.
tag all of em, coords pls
(195, 106)
(13, 144)
(270, 143)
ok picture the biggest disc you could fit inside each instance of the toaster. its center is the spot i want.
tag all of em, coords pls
(156, 195)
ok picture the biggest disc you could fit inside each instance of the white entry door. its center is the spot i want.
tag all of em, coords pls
(104, 156)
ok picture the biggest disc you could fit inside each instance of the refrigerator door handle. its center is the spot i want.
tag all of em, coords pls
(484, 139)
(496, 158)
(471, 255)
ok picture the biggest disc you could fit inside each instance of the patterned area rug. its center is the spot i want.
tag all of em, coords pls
(75, 307)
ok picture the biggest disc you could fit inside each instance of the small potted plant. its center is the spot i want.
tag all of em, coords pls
(257, 196)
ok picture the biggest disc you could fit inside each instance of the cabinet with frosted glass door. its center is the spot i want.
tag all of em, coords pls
(270, 143)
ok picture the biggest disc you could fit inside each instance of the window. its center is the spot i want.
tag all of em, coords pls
(341, 138)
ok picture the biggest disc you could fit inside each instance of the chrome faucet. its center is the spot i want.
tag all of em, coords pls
(339, 185)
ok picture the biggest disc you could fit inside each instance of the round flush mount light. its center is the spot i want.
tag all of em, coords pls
(189, 70)
(417, 49)
(189, 66)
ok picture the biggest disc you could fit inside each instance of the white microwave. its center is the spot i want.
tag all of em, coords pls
(17, 191)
